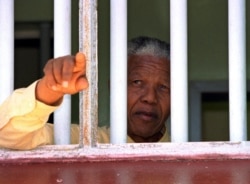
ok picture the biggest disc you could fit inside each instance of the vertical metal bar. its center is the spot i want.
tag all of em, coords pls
(6, 48)
(89, 98)
(237, 69)
(179, 92)
(62, 46)
(118, 52)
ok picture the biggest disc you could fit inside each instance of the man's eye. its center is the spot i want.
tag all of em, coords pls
(137, 82)
(164, 87)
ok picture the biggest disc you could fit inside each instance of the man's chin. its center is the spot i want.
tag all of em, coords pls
(145, 134)
(142, 128)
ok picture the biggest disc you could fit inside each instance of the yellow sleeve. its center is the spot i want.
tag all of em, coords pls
(103, 134)
(165, 137)
(23, 120)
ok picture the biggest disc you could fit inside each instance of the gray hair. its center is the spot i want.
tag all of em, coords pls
(148, 46)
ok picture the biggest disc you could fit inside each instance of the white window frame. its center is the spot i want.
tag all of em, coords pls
(90, 150)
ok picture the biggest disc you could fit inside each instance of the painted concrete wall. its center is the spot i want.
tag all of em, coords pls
(207, 29)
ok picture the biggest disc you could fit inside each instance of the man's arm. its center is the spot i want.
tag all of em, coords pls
(24, 114)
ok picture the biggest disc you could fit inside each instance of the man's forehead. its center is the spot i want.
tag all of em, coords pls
(148, 61)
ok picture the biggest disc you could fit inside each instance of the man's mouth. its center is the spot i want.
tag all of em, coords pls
(146, 116)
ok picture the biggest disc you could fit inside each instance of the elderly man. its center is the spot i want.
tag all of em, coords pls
(24, 115)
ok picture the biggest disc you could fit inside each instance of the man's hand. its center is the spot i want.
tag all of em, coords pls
(63, 75)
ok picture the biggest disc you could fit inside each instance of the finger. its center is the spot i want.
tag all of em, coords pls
(80, 62)
(57, 70)
(80, 84)
(48, 75)
(67, 71)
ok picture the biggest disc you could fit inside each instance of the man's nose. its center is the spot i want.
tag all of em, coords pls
(149, 95)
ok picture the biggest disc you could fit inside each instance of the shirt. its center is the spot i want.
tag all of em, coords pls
(23, 122)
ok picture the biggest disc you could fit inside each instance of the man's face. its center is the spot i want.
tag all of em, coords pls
(148, 94)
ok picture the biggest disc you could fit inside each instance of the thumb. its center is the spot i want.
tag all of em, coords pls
(80, 62)
(81, 83)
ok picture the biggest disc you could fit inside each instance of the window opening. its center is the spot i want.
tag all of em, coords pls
(91, 150)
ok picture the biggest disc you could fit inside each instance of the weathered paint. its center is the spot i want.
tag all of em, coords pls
(89, 97)
(203, 162)
(146, 151)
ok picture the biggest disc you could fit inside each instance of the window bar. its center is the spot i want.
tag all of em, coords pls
(89, 97)
(179, 92)
(62, 46)
(237, 69)
(6, 48)
(118, 71)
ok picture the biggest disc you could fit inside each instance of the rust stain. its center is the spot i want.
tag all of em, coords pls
(89, 20)
(87, 50)
(86, 127)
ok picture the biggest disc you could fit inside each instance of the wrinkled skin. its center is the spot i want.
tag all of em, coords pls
(148, 96)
